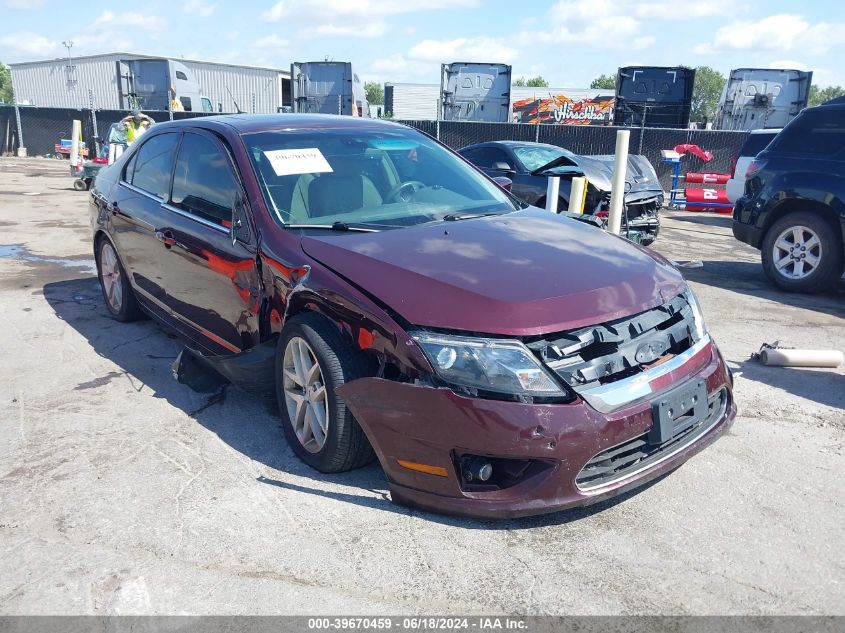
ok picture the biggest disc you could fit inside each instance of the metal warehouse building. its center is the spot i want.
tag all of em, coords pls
(83, 82)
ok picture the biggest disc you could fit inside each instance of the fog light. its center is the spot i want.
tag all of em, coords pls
(477, 469)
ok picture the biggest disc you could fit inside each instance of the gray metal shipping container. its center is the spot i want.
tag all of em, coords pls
(472, 91)
(418, 102)
(92, 80)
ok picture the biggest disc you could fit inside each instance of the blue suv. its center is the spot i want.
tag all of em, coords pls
(793, 209)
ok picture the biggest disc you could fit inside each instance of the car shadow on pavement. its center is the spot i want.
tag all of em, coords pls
(249, 424)
(823, 387)
(724, 221)
(748, 278)
(383, 502)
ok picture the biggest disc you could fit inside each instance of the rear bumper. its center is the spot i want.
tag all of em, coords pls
(743, 228)
(434, 426)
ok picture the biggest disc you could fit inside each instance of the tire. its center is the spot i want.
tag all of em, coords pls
(344, 445)
(117, 292)
(822, 245)
(79, 185)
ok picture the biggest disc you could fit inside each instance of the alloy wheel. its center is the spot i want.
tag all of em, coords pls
(111, 277)
(797, 252)
(306, 397)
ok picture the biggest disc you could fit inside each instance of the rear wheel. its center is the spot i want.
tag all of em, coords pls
(118, 294)
(802, 253)
(312, 361)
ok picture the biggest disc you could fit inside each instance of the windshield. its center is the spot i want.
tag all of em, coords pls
(535, 157)
(381, 177)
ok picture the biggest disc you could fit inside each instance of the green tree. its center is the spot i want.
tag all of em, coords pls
(708, 87)
(5, 84)
(533, 82)
(819, 95)
(604, 82)
(375, 92)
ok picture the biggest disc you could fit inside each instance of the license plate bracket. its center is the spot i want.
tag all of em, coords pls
(677, 410)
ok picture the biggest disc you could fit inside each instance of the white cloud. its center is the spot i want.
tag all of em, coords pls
(463, 48)
(199, 7)
(326, 10)
(28, 46)
(670, 10)
(782, 32)
(374, 29)
(148, 22)
(352, 18)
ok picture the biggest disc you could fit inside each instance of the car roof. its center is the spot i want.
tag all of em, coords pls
(252, 123)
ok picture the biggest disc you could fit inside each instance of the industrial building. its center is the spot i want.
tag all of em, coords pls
(97, 81)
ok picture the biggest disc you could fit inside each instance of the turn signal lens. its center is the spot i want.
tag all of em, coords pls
(423, 468)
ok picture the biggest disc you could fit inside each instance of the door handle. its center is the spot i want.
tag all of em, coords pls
(166, 238)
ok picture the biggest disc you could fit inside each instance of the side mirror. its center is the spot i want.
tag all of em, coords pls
(240, 221)
(501, 166)
(628, 186)
(504, 182)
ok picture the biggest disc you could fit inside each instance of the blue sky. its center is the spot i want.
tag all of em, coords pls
(567, 41)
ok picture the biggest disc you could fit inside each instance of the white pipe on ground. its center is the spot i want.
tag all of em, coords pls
(552, 189)
(617, 191)
(578, 195)
(111, 153)
(802, 357)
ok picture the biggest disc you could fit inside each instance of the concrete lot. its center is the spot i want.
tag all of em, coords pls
(123, 492)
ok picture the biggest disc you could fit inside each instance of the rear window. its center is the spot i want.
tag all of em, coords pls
(820, 131)
(756, 143)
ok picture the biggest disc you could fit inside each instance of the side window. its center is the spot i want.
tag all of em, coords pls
(487, 156)
(181, 75)
(153, 164)
(186, 103)
(820, 132)
(206, 105)
(203, 184)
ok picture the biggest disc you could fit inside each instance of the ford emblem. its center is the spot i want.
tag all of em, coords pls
(649, 352)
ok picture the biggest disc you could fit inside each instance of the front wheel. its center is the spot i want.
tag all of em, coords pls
(312, 361)
(802, 253)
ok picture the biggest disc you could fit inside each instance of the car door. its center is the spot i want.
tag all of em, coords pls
(136, 211)
(209, 276)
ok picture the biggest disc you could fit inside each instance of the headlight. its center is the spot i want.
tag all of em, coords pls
(698, 317)
(493, 365)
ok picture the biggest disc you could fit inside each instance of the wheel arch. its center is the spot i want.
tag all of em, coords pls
(796, 205)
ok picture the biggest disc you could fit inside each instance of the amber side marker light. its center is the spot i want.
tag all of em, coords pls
(423, 468)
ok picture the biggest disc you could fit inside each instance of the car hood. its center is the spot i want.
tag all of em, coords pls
(519, 274)
(599, 171)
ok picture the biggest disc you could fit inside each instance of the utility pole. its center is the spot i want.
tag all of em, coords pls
(70, 72)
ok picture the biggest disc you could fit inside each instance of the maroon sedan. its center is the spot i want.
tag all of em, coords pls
(496, 359)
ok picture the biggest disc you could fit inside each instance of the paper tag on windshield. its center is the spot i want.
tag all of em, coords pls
(308, 160)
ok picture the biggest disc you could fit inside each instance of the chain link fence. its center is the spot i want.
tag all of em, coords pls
(42, 129)
(593, 139)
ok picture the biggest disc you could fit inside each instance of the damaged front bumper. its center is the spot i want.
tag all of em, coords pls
(551, 456)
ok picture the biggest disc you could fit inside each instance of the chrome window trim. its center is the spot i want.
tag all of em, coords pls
(612, 396)
(169, 207)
